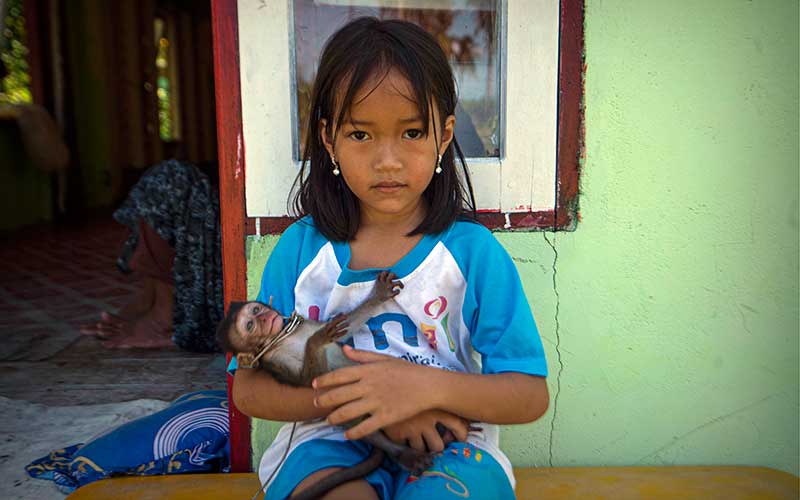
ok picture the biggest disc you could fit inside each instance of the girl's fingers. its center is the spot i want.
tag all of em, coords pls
(433, 440)
(366, 427)
(338, 396)
(341, 376)
(365, 356)
(457, 425)
(416, 442)
(349, 374)
(348, 412)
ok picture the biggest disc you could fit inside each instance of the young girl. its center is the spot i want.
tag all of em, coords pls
(458, 345)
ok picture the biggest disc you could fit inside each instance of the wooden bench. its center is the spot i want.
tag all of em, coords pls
(613, 483)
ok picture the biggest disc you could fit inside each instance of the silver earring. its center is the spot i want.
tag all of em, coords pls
(335, 166)
(439, 164)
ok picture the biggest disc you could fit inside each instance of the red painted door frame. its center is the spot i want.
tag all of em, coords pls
(231, 180)
(236, 225)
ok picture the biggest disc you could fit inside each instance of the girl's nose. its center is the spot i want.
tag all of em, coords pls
(388, 157)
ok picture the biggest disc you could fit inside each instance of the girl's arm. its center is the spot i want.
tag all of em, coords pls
(502, 398)
(371, 390)
(257, 394)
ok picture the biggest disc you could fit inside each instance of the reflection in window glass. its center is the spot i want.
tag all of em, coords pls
(163, 90)
(466, 31)
(15, 77)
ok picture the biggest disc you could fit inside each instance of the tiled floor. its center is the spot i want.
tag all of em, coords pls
(55, 278)
(61, 275)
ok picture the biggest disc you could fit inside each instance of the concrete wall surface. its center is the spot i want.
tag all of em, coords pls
(670, 316)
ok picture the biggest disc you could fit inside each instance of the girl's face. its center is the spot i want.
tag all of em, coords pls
(383, 155)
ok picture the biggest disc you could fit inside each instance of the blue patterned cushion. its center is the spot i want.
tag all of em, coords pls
(190, 435)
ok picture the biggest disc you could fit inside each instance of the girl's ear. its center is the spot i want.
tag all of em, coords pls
(447, 133)
(323, 133)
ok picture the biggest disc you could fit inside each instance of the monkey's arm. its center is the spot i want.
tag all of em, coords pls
(316, 360)
(386, 287)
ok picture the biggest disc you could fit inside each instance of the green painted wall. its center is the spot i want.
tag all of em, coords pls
(670, 316)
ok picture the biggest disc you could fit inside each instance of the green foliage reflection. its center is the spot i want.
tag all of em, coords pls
(15, 87)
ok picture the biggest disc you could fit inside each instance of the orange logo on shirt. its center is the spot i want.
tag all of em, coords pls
(430, 334)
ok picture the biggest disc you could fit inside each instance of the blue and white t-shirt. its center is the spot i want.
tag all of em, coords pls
(462, 308)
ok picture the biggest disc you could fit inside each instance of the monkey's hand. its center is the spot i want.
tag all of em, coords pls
(245, 359)
(387, 285)
(335, 328)
(429, 431)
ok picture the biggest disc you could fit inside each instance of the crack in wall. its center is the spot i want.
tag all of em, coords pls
(558, 346)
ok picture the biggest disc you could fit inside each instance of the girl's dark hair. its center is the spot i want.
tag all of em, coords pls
(361, 50)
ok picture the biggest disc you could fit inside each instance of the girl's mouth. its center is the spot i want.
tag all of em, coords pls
(389, 187)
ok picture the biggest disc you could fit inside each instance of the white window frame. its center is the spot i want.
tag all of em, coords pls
(523, 179)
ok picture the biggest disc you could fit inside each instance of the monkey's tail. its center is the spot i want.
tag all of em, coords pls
(357, 471)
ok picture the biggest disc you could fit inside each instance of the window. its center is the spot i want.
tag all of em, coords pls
(15, 84)
(166, 79)
(515, 113)
(467, 32)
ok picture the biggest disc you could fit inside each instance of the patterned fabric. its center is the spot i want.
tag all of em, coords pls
(178, 201)
(460, 471)
(189, 436)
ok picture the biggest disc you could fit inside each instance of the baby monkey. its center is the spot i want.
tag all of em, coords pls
(296, 350)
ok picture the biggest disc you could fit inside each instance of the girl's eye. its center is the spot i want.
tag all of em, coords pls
(358, 135)
(256, 309)
(414, 133)
(250, 326)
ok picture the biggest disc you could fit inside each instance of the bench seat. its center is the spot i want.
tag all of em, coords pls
(533, 483)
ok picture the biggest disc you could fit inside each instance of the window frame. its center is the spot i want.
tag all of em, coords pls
(522, 180)
(236, 225)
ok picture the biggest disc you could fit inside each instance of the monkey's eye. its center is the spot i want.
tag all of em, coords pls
(249, 326)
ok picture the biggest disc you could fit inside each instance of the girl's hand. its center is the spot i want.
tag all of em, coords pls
(383, 389)
(420, 431)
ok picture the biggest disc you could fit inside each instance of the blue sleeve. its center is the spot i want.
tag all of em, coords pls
(496, 310)
(281, 271)
(233, 366)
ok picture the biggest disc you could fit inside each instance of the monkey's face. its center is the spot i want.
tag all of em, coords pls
(255, 323)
